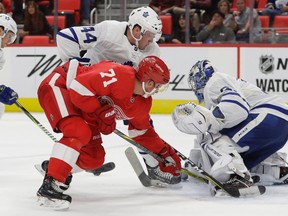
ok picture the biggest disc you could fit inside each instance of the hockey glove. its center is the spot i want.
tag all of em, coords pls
(106, 119)
(174, 165)
(7, 95)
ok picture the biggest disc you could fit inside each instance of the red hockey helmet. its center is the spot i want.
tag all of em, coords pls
(153, 68)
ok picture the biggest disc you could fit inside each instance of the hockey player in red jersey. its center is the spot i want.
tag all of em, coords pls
(123, 42)
(84, 102)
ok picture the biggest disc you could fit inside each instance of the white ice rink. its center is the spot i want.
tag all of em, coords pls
(117, 193)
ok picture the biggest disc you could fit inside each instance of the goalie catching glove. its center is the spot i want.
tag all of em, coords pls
(194, 119)
(174, 165)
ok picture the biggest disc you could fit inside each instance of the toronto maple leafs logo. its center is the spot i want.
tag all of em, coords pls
(145, 14)
(266, 64)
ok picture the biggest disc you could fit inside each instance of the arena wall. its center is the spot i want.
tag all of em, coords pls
(263, 65)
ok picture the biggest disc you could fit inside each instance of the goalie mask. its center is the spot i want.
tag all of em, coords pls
(153, 68)
(199, 76)
(148, 20)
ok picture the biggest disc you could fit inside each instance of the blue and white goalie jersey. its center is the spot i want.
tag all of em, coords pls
(237, 98)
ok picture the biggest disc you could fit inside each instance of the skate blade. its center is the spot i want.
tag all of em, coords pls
(159, 184)
(55, 204)
(38, 167)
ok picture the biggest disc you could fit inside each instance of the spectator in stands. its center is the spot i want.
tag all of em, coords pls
(242, 18)
(197, 26)
(85, 12)
(17, 13)
(163, 7)
(35, 22)
(46, 6)
(205, 8)
(215, 31)
(275, 8)
(179, 33)
(169, 7)
(229, 21)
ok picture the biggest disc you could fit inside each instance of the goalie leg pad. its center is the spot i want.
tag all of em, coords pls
(271, 169)
(225, 159)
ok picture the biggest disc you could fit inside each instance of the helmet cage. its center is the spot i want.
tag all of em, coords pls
(199, 75)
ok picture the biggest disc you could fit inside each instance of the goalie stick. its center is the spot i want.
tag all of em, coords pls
(234, 192)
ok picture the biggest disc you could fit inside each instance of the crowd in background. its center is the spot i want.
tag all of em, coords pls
(210, 21)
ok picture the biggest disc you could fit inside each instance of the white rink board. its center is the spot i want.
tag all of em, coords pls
(266, 68)
(40, 61)
(181, 59)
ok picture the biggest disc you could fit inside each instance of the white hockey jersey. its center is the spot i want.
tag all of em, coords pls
(104, 41)
(237, 98)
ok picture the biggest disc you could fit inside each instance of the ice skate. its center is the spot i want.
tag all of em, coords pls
(50, 194)
(155, 173)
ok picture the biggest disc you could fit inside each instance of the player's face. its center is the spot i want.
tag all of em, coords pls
(152, 88)
(146, 39)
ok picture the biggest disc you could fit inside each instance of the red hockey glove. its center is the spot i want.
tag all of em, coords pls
(106, 119)
(170, 155)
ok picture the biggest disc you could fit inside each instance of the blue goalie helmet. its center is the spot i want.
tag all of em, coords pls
(199, 76)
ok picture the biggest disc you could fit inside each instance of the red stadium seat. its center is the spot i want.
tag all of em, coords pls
(280, 23)
(61, 21)
(261, 4)
(264, 21)
(36, 40)
(70, 7)
(166, 24)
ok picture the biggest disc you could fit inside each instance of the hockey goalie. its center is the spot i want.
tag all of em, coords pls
(239, 129)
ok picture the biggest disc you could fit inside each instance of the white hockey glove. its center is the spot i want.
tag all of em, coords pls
(195, 119)
(187, 118)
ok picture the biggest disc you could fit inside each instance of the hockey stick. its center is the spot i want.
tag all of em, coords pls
(104, 168)
(145, 180)
(35, 121)
(234, 192)
(157, 157)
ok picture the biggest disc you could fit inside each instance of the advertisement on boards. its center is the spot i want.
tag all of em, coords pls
(28, 66)
(266, 68)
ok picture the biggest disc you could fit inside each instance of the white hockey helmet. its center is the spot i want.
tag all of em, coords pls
(8, 24)
(147, 19)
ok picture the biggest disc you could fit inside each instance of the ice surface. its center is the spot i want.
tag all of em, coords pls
(118, 192)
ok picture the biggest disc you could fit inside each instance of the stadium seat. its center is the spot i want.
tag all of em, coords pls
(264, 21)
(36, 40)
(61, 21)
(166, 24)
(73, 7)
(280, 23)
(70, 6)
(261, 4)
